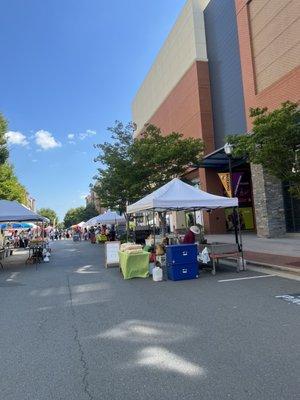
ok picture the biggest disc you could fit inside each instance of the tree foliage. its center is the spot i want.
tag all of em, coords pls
(10, 187)
(60, 225)
(274, 143)
(50, 214)
(90, 212)
(116, 183)
(74, 216)
(130, 169)
(3, 147)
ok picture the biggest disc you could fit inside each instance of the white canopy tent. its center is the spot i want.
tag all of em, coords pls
(90, 222)
(177, 195)
(110, 218)
(12, 211)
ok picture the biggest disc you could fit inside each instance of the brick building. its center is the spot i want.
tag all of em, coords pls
(221, 58)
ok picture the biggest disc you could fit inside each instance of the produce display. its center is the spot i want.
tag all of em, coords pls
(131, 248)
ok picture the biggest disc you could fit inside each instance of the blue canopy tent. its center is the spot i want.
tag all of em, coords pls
(12, 211)
(16, 225)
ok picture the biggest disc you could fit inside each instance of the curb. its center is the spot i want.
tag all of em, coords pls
(282, 268)
(294, 271)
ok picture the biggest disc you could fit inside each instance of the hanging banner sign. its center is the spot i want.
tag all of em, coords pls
(225, 179)
(236, 180)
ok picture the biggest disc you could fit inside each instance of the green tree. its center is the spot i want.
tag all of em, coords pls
(90, 212)
(3, 147)
(115, 183)
(132, 168)
(60, 225)
(74, 216)
(274, 143)
(49, 213)
(10, 187)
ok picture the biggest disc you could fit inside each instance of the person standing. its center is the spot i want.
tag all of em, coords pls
(26, 238)
(190, 236)
(112, 234)
(92, 235)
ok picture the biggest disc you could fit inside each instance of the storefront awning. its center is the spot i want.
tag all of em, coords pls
(219, 160)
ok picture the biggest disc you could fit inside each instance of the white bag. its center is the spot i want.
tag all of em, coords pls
(204, 256)
(157, 274)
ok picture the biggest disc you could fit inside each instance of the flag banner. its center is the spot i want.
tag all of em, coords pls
(225, 179)
(236, 180)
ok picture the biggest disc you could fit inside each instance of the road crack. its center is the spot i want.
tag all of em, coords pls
(85, 382)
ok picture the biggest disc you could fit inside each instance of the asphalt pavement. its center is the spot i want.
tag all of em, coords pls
(73, 329)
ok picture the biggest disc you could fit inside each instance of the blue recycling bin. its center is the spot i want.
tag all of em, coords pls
(182, 262)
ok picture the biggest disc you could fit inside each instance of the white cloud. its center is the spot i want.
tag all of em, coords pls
(71, 138)
(46, 140)
(87, 133)
(17, 138)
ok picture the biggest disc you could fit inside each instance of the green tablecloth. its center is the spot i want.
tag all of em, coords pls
(134, 265)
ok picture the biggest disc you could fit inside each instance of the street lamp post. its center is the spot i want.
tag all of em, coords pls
(228, 148)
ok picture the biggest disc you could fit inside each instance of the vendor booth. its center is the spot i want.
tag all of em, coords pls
(107, 218)
(179, 196)
(11, 212)
(110, 218)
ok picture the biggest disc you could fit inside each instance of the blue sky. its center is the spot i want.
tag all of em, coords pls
(68, 70)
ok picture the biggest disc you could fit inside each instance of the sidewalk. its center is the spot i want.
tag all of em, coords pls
(281, 253)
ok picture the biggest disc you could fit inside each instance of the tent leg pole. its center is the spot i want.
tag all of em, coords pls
(236, 222)
(241, 241)
(127, 228)
(153, 228)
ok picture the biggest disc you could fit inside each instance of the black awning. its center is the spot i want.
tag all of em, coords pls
(219, 160)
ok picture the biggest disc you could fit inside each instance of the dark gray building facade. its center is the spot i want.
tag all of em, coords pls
(224, 69)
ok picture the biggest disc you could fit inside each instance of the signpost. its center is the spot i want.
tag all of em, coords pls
(112, 253)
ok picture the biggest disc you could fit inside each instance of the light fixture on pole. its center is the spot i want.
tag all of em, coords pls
(228, 149)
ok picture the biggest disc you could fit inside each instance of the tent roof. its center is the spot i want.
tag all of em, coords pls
(177, 195)
(110, 217)
(11, 211)
(91, 222)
